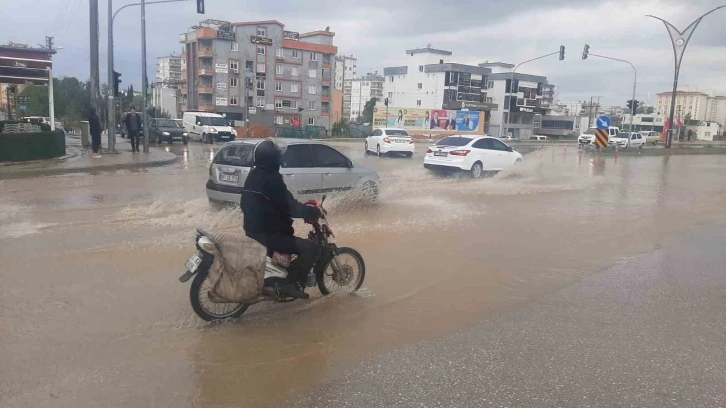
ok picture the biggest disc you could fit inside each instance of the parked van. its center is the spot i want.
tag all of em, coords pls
(208, 127)
(588, 137)
(538, 137)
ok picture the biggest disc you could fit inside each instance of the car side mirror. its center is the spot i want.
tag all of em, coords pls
(350, 164)
(510, 149)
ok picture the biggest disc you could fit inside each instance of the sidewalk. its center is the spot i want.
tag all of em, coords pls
(79, 160)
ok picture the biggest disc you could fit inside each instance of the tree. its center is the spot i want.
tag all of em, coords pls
(340, 127)
(71, 99)
(368, 110)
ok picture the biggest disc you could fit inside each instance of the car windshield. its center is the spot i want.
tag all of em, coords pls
(454, 141)
(214, 121)
(167, 123)
(396, 132)
(590, 131)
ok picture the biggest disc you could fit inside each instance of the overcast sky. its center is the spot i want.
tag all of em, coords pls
(378, 31)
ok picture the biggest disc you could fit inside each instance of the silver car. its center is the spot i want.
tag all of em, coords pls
(309, 169)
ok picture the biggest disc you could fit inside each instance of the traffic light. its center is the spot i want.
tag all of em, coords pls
(116, 81)
(630, 105)
(385, 101)
(585, 51)
(200, 6)
(562, 52)
(635, 106)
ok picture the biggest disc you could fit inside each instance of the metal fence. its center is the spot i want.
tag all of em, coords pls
(307, 132)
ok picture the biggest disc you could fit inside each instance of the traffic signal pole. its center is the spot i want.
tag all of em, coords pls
(635, 82)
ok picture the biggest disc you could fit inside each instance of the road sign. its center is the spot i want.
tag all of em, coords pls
(23, 108)
(24, 99)
(601, 135)
(603, 122)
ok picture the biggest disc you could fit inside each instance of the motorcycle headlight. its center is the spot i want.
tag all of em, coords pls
(185, 134)
(165, 133)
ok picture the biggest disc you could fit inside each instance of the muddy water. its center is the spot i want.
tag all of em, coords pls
(91, 313)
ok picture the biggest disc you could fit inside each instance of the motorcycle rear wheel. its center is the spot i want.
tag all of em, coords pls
(208, 310)
(350, 277)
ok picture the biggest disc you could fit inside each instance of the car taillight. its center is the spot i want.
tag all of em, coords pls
(411, 141)
(387, 140)
(428, 150)
(459, 152)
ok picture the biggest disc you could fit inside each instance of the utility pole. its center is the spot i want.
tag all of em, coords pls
(144, 83)
(51, 104)
(111, 120)
(95, 82)
(589, 114)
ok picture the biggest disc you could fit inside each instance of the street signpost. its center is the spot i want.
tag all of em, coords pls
(601, 134)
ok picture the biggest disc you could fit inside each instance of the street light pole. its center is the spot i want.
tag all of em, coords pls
(144, 83)
(635, 82)
(679, 40)
(511, 85)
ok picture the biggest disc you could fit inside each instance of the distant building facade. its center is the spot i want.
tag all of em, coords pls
(361, 91)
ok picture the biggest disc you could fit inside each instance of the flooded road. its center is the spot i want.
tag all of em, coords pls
(92, 313)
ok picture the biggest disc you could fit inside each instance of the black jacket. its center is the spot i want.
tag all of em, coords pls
(95, 125)
(268, 206)
(127, 122)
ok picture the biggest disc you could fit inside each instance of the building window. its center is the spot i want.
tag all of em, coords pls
(261, 84)
(313, 56)
(312, 89)
(261, 67)
(279, 53)
(420, 85)
(278, 69)
(260, 50)
(233, 100)
(278, 103)
(233, 82)
(418, 102)
(312, 73)
(249, 65)
(295, 54)
(261, 32)
(390, 78)
(311, 105)
(490, 84)
(390, 94)
(278, 86)
(235, 46)
(278, 120)
(490, 99)
(295, 71)
(295, 88)
(234, 66)
(311, 121)
(420, 68)
(260, 101)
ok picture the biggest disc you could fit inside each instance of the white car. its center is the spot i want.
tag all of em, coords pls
(588, 136)
(387, 140)
(475, 154)
(650, 136)
(623, 140)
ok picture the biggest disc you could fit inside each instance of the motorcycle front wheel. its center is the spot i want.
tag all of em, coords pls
(349, 277)
(203, 305)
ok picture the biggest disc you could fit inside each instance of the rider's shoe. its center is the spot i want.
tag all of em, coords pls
(290, 289)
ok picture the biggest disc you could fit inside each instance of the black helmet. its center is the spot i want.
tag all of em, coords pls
(268, 154)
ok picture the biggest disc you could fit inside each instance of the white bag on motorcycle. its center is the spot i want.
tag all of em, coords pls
(237, 274)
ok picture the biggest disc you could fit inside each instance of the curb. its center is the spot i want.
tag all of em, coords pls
(111, 167)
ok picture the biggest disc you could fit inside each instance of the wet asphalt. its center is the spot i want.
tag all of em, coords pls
(648, 332)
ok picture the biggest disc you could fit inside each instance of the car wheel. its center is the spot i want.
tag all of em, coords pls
(204, 138)
(366, 147)
(476, 170)
(409, 154)
(378, 150)
(185, 140)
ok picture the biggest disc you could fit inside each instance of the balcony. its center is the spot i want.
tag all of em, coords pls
(325, 98)
(325, 82)
(183, 106)
(206, 71)
(326, 65)
(205, 90)
(206, 52)
(206, 107)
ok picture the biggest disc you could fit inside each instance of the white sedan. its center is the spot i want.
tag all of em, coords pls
(475, 154)
(387, 140)
(623, 140)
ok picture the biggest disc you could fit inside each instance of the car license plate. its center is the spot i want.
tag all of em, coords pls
(232, 178)
(442, 154)
(193, 263)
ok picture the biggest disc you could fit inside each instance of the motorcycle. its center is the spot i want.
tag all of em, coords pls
(336, 270)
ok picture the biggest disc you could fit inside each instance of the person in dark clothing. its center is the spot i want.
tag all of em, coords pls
(94, 123)
(133, 128)
(268, 208)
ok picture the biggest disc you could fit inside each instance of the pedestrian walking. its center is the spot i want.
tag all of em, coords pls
(133, 128)
(94, 123)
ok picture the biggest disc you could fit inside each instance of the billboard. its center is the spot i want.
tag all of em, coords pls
(432, 119)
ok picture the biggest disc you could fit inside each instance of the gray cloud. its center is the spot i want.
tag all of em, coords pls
(378, 32)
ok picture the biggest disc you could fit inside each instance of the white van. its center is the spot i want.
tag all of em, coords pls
(536, 137)
(208, 127)
(588, 137)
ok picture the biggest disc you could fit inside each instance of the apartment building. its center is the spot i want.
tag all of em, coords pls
(688, 103)
(346, 68)
(169, 70)
(258, 73)
(548, 95)
(519, 97)
(362, 90)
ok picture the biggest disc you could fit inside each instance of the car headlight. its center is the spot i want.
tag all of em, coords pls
(165, 133)
(213, 130)
(234, 132)
(185, 134)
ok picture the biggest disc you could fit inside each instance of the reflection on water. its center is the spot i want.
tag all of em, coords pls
(105, 252)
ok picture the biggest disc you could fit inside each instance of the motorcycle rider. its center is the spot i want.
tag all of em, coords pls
(268, 208)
